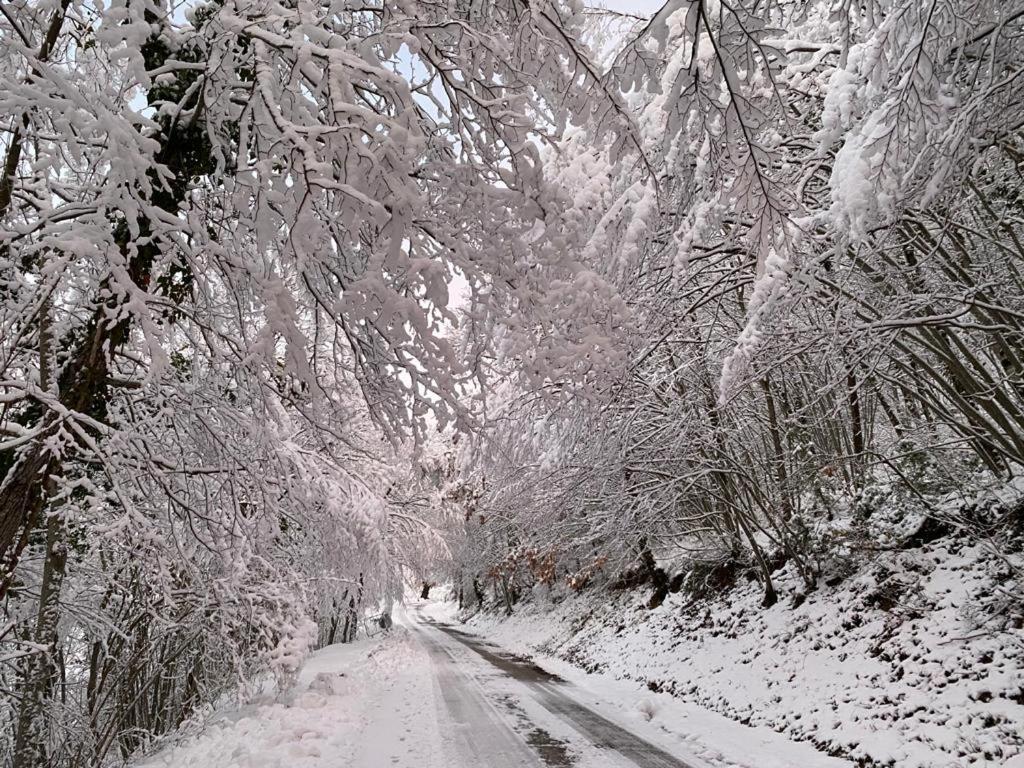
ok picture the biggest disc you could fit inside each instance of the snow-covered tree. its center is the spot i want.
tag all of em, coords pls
(229, 233)
(820, 283)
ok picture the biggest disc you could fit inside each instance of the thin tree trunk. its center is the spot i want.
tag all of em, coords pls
(856, 426)
(781, 473)
(31, 738)
(41, 669)
(335, 619)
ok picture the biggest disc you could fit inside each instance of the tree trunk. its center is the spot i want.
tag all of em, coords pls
(770, 596)
(335, 618)
(507, 595)
(781, 473)
(856, 426)
(40, 671)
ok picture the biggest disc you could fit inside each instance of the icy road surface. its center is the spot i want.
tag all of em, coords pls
(507, 713)
(429, 695)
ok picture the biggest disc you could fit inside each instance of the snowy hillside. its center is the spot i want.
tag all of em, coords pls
(901, 664)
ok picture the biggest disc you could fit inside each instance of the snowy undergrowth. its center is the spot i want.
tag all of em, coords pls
(329, 718)
(892, 666)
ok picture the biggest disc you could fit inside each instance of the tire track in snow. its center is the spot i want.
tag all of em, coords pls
(599, 730)
(479, 736)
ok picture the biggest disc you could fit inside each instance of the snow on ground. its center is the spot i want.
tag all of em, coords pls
(368, 704)
(424, 698)
(888, 667)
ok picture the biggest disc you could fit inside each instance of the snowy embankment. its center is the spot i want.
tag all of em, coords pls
(888, 667)
(365, 704)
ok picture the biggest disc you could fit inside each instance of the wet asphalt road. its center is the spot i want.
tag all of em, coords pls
(491, 723)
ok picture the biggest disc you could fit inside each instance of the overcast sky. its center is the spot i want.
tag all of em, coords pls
(632, 6)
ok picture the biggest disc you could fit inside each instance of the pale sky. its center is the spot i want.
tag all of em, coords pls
(642, 7)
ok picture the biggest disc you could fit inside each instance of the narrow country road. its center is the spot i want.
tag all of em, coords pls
(506, 712)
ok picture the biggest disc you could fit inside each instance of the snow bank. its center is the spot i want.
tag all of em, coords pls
(330, 718)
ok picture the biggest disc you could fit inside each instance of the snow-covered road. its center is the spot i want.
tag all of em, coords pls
(505, 712)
